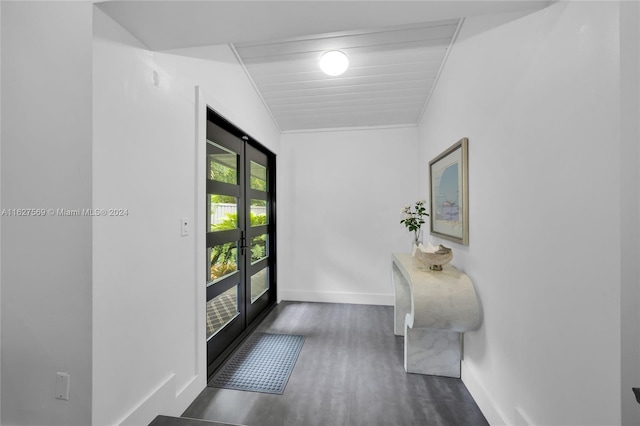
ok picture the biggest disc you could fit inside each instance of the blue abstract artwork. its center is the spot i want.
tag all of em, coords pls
(449, 199)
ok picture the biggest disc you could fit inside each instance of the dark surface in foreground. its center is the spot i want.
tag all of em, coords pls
(349, 372)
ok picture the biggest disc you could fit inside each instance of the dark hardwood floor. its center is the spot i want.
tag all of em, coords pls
(349, 372)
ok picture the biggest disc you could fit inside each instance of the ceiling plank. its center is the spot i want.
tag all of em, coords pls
(392, 71)
(309, 63)
(380, 38)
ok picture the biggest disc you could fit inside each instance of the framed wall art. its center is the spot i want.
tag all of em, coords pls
(449, 201)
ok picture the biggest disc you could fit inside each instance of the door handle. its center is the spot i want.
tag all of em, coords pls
(243, 243)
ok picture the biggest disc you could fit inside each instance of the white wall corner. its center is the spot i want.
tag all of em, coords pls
(482, 397)
(164, 400)
(200, 239)
(170, 398)
(522, 419)
(255, 86)
(336, 297)
(157, 401)
(629, 223)
(0, 203)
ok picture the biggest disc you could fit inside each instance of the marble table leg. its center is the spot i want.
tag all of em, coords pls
(434, 352)
(402, 305)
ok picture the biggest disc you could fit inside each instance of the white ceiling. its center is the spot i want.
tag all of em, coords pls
(391, 73)
(396, 49)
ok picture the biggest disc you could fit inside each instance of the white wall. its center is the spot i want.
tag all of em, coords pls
(46, 163)
(539, 100)
(0, 209)
(149, 325)
(340, 196)
(630, 208)
(226, 88)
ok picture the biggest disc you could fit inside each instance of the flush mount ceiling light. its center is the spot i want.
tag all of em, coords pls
(334, 63)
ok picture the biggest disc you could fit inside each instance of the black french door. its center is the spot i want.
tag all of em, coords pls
(240, 236)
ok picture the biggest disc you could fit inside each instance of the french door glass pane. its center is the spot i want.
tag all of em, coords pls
(259, 248)
(223, 260)
(222, 213)
(222, 164)
(221, 310)
(258, 212)
(259, 283)
(258, 177)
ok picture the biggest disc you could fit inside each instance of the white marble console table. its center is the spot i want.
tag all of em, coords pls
(432, 309)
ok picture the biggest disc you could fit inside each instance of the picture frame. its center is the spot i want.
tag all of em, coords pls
(449, 193)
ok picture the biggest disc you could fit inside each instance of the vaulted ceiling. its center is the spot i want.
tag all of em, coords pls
(395, 49)
(391, 73)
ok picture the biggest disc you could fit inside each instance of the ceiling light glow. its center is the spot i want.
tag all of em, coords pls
(334, 63)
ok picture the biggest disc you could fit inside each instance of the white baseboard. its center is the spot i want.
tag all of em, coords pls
(482, 397)
(336, 297)
(164, 400)
(189, 393)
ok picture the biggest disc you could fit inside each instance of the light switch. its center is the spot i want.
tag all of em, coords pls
(185, 226)
(62, 385)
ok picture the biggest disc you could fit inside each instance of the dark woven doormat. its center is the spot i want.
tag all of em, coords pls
(263, 364)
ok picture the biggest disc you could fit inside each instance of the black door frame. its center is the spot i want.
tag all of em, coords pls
(238, 329)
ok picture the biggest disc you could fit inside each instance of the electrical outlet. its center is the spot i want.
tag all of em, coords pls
(62, 385)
